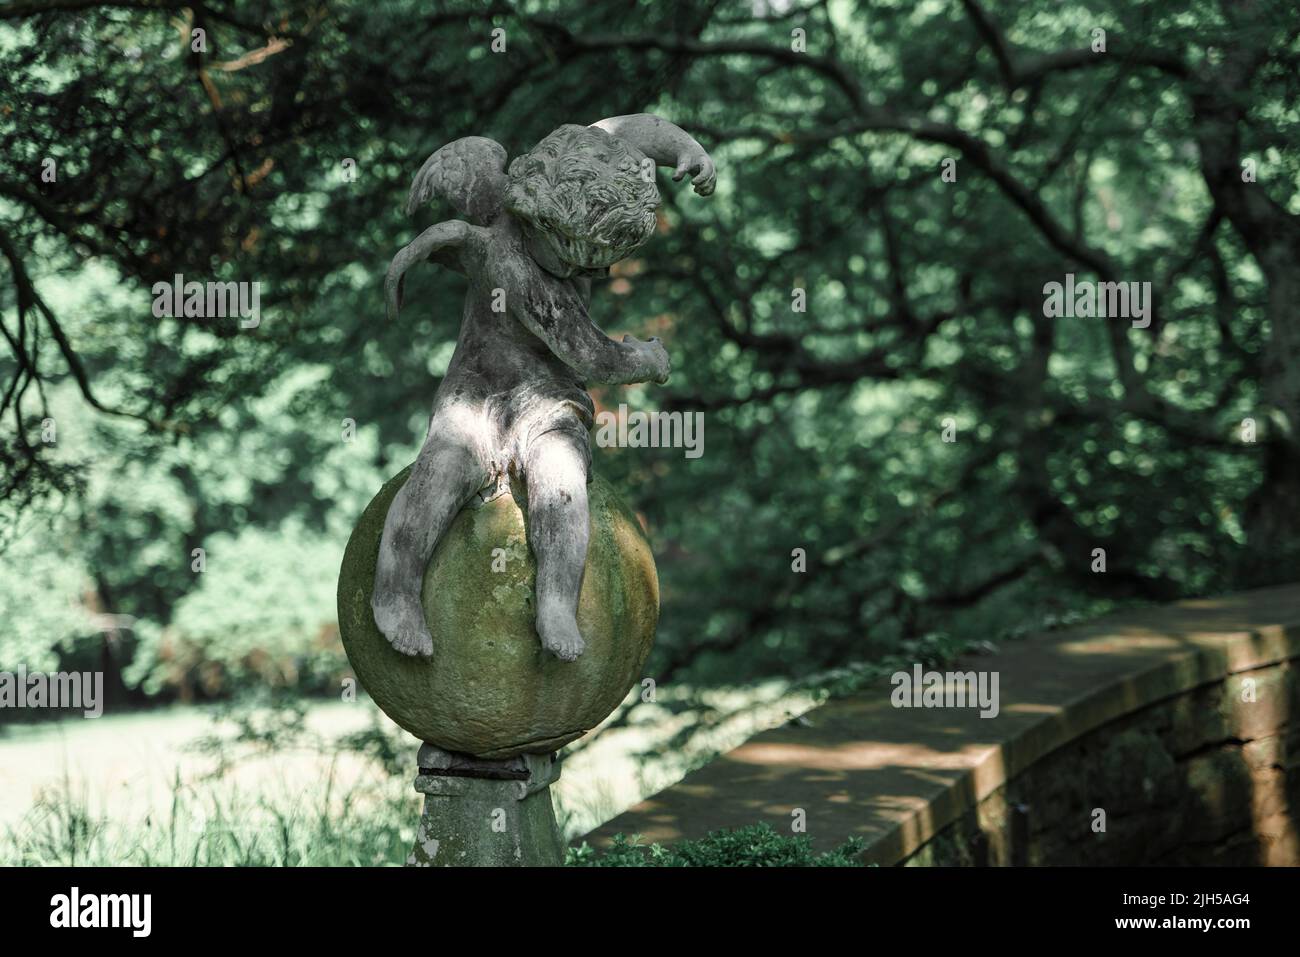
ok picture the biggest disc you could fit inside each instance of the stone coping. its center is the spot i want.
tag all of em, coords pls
(896, 776)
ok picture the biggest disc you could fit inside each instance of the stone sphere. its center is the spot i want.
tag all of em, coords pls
(489, 689)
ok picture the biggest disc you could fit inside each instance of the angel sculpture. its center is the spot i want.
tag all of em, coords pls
(514, 401)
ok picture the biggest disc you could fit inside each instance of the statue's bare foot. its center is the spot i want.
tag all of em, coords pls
(401, 619)
(559, 634)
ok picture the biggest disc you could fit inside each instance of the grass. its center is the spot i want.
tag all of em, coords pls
(294, 783)
(60, 830)
(218, 829)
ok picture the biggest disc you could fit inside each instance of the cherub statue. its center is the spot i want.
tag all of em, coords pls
(514, 401)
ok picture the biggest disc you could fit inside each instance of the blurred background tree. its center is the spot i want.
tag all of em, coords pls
(273, 142)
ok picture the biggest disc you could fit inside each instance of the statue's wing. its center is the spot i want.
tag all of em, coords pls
(469, 173)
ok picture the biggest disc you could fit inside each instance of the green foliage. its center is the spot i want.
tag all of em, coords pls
(757, 845)
(41, 604)
(822, 427)
(263, 612)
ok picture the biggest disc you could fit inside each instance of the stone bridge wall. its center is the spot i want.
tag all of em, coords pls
(1178, 723)
(1200, 778)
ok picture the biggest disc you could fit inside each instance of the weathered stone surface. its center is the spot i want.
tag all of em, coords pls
(489, 689)
(1135, 772)
(1259, 702)
(1194, 721)
(484, 822)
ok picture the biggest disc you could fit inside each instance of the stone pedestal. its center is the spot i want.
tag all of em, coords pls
(486, 813)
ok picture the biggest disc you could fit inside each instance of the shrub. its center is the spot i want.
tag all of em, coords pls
(757, 845)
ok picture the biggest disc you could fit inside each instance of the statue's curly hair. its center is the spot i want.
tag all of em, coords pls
(585, 188)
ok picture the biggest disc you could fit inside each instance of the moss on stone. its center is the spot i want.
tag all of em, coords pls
(489, 689)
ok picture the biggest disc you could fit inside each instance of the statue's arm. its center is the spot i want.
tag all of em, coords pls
(559, 318)
(444, 237)
(666, 144)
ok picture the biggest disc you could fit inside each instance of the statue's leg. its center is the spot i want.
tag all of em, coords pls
(445, 476)
(558, 528)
